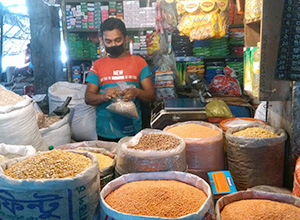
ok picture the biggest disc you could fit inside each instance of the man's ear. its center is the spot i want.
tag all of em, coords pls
(101, 40)
(126, 39)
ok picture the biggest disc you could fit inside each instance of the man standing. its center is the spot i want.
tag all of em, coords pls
(118, 66)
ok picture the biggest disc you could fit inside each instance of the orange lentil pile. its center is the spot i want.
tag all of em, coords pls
(160, 198)
(193, 131)
(254, 209)
(53, 164)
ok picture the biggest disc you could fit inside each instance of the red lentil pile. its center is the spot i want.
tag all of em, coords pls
(160, 198)
(254, 209)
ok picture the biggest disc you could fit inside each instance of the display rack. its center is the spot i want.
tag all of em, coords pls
(266, 29)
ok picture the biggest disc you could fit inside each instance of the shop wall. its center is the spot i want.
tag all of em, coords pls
(286, 115)
(45, 45)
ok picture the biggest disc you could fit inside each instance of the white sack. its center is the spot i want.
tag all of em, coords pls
(83, 116)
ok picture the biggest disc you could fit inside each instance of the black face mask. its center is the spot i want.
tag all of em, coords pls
(115, 50)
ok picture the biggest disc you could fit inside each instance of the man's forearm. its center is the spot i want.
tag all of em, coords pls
(146, 95)
(94, 99)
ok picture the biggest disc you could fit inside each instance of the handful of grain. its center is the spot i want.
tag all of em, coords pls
(103, 160)
(193, 131)
(255, 132)
(54, 164)
(262, 209)
(161, 198)
(8, 97)
(156, 142)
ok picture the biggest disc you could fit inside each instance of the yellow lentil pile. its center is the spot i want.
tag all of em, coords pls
(193, 131)
(54, 164)
(254, 209)
(156, 142)
(8, 97)
(255, 132)
(161, 198)
(103, 160)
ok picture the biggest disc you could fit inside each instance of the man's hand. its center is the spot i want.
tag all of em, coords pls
(129, 94)
(111, 93)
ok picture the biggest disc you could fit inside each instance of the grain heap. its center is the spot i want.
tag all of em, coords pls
(156, 142)
(47, 121)
(255, 132)
(253, 209)
(104, 161)
(161, 198)
(193, 131)
(8, 97)
(54, 164)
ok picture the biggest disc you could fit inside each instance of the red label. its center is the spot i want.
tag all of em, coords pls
(207, 4)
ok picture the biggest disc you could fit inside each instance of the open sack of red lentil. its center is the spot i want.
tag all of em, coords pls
(105, 154)
(255, 155)
(253, 205)
(18, 124)
(204, 145)
(155, 196)
(55, 130)
(151, 150)
(57, 184)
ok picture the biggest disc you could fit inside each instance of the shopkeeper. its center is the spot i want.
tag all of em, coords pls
(104, 75)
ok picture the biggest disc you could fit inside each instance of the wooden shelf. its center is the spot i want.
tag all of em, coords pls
(236, 26)
(253, 20)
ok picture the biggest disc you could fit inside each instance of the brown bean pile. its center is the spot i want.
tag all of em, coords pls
(8, 97)
(49, 121)
(161, 198)
(254, 209)
(54, 164)
(156, 142)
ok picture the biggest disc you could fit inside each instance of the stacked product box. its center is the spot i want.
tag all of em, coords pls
(136, 45)
(70, 17)
(147, 16)
(119, 8)
(97, 15)
(104, 12)
(112, 9)
(91, 15)
(131, 8)
(84, 15)
(76, 74)
(143, 45)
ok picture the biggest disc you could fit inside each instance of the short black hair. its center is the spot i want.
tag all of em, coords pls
(111, 24)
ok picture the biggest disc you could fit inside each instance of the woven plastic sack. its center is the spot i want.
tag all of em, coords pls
(205, 154)
(132, 160)
(18, 125)
(67, 198)
(256, 161)
(205, 212)
(8, 151)
(253, 194)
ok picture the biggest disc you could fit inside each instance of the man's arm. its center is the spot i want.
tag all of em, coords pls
(92, 96)
(146, 94)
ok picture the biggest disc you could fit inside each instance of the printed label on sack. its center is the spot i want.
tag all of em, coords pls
(207, 5)
(222, 4)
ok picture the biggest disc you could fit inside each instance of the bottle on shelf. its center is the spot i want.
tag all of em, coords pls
(256, 71)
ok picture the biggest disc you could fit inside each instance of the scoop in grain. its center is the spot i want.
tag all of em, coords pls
(54, 164)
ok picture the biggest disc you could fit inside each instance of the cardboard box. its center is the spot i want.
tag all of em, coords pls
(221, 183)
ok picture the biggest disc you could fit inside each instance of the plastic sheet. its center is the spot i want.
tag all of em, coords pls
(256, 161)
(131, 160)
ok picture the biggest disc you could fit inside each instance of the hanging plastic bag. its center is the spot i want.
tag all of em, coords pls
(125, 108)
(217, 108)
(226, 85)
